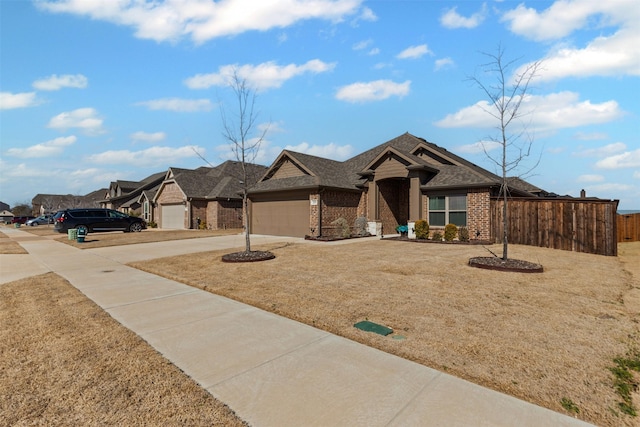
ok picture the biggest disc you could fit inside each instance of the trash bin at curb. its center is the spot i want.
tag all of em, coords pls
(82, 233)
(72, 233)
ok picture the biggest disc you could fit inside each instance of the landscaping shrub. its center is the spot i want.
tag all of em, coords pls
(450, 232)
(463, 234)
(436, 236)
(203, 225)
(343, 227)
(152, 224)
(422, 229)
(361, 226)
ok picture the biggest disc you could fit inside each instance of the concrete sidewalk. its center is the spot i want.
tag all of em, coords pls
(270, 370)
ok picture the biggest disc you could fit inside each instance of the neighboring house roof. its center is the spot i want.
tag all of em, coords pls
(446, 169)
(220, 182)
(130, 191)
(53, 202)
(4, 206)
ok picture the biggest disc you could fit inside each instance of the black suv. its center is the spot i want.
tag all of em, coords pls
(96, 220)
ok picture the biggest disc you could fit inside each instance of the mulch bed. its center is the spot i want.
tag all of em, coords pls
(513, 265)
(250, 256)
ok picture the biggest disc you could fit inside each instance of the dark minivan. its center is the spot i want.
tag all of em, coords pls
(94, 220)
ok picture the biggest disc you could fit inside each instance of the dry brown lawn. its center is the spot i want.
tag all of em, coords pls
(544, 338)
(117, 238)
(64, 361)
(8, 246)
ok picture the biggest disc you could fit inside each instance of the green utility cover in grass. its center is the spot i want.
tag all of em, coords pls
(367, 326)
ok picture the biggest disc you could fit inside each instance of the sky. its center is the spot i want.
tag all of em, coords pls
(94, 91)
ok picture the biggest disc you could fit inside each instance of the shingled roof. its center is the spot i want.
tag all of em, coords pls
(447, 169)
(222, 181)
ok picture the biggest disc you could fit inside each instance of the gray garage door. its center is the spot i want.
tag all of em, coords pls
(172, 216)
(288, 217)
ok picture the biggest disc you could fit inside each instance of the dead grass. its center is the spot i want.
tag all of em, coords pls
(117, 238)
(546, 338)
(64, 361)
(8, 246)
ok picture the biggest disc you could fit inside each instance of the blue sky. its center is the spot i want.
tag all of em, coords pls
(93, 91)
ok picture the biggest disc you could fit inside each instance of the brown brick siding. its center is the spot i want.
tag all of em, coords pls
(170, 194)
(338, 204)
(314, 214)
(479, 214)
(229, 214)
(198, 210)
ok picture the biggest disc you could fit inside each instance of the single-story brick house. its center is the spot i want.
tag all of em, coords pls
(402, 180)
(211, 195)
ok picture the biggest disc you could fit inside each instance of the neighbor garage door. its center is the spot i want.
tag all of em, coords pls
(172, 216)
(287, 216)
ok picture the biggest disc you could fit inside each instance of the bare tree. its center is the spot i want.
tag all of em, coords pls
(245, 138)
(506, 93)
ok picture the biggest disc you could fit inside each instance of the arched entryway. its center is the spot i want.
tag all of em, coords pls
(393, 203)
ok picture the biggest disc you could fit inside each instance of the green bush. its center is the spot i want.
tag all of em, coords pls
(450, 232)
(436, 236)
(203, 225)
(343, 227)
(422, 229)
(152, 224)
(463, 234)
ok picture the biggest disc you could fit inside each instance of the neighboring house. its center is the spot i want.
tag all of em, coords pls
(125, 196)
(45, 204)
(402, 180)
(4, 207)
(6, 216)
(210, 195)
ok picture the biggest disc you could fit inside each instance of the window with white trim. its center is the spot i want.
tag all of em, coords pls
(445, 210)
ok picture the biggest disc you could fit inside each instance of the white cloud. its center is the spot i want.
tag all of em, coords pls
(590, 178)
(479, 147)
(329, 151)
(367, 15)
(607, 150)
(451, 19)
(148, 137)
(178, 105)
(372, 91)
(604, 56)
(444, 63)
(205, 20)
(9, 101)
(56, 82)
(609, 54)
(628, 159)
(85, 119)
(414, 52)
(262, 76)
(565, 16)
(362, 45)
(150, 157)
(541, 112)
(46, 149)
(636, 174)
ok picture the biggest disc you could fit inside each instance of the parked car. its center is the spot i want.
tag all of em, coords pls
(42, 219)
(21, 219)
(92, 220)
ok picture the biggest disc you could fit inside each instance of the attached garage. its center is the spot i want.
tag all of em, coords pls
(282, 215)
(172, 216)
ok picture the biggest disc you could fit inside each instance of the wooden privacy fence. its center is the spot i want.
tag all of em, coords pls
(579, 225)
(629, 227)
